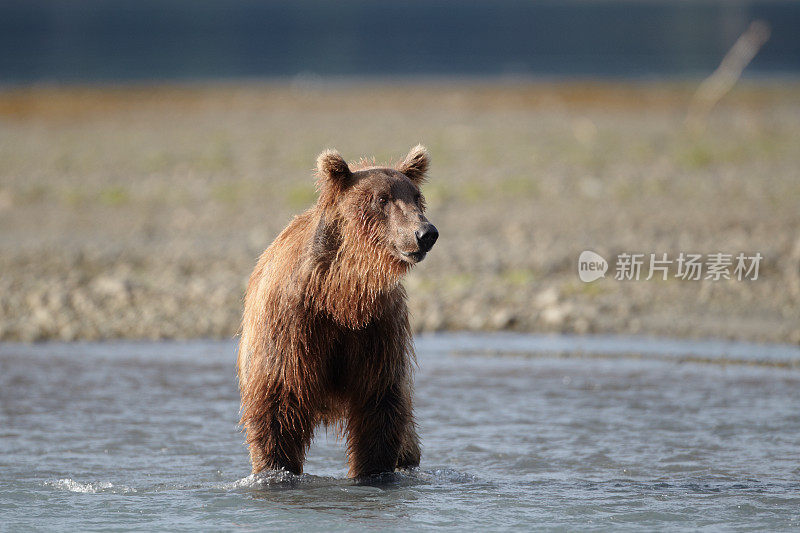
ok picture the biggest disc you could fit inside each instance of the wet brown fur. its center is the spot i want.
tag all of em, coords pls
(325, 332)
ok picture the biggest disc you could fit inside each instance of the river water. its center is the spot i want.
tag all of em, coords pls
(518, 433)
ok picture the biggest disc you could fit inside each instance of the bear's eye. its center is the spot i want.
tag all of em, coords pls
(383, 200)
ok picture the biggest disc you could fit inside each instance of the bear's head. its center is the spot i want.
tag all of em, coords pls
(378, 209)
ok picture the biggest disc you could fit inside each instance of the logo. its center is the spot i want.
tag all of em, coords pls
(718, 266)
(591, 266)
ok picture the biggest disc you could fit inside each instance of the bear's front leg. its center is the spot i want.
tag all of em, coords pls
(376, 428)
(279, 431)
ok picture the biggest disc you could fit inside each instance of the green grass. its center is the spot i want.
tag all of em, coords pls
(301, 196)
(519, 277)
(579, 288)
(696, 156)
(114, 195)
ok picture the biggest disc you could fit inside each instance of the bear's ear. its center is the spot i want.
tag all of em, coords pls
(416, 164)
(332, 167)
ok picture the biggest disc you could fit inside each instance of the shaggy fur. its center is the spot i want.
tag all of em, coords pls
(325, 333)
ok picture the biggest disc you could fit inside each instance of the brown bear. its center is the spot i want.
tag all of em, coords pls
(325, 334)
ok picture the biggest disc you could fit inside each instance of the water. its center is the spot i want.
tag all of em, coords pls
(119, 40)
(568, 433)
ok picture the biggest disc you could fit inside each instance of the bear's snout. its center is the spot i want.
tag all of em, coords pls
(426, 237)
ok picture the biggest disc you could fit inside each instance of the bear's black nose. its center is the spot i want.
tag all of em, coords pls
(426, 237)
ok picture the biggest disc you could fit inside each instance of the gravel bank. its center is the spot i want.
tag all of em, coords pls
(139, 213)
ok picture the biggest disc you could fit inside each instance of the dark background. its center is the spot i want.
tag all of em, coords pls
(115, 40)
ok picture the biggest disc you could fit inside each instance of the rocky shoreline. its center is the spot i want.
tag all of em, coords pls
(139, 213)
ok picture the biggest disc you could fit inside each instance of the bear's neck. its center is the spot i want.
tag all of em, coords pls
(355, 285)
